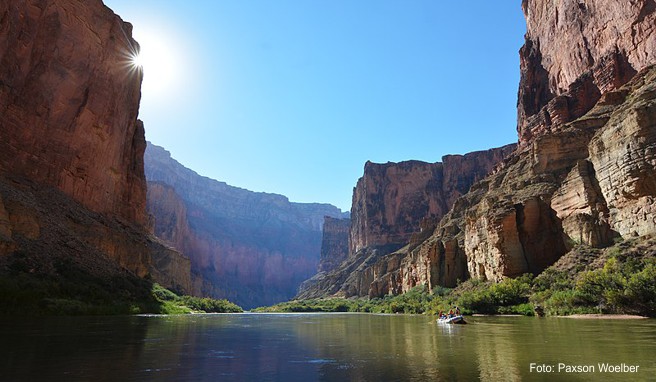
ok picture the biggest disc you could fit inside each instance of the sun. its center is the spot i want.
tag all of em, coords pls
(157, 60)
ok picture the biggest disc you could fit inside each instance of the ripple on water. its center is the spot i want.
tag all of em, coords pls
(221, 354)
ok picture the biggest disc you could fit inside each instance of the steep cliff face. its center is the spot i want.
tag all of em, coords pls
(576, 51)
(391, 200)
(584, 170)
(398, 203)
(69, 102)
(587, 183)
(73, 195)
(253, 248)
(334, 243)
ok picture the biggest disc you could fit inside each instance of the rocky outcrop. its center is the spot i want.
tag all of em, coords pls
(71, 149)
(587, 183)
(394, 204)
(584, 170)
(576, 51)
(334, 243)
(391, 200)
(253, 248)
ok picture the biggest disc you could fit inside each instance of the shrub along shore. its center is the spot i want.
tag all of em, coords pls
(618, 280)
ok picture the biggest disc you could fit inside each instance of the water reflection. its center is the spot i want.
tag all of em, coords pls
(315, 347)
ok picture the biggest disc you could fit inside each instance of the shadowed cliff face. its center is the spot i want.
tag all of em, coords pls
(253, 248)
(73, 191)
(584, 171)
(334, 243)
(70, 102)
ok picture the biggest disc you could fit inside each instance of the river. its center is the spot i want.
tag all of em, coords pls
(323, 347)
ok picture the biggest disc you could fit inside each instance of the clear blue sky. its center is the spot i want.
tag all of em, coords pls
(293, 97)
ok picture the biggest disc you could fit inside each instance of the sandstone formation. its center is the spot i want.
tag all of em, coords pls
(69, 102)
(575, 51)
(56, 235)
(397, 203)
(73, 195)
(253, 248)
(391, 200)
(587, 183)
(583, 173)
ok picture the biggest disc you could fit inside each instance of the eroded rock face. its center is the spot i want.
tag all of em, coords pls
(587, 183)
(57, 234)
(253, 248)
(69, 102)
(624, 158)
(334, 243)
(584, 170)
(391, 200)
(71, 147)
(395, 204)
(576, 51)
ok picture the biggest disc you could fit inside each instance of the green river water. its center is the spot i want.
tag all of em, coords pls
(324, 347)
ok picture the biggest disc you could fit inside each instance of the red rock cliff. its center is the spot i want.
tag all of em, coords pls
(391, 200)
(575, 51)
(69, 103)
(585, 169)
(72, 185)
(334, 243)
(394, 204)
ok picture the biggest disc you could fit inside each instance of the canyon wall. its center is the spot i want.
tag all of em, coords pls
(575, 51)
(69, 102)
(253, 248)
(391, 200)
(71, 147)
(334, 243)
(396, 203)
(583, 172)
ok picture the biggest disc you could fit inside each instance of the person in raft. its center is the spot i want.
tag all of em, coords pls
(457, 311)
(451, 313)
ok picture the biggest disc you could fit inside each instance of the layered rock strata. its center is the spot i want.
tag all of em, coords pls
(588, 183)
(71, 147)
(397, 203)
(391, 200)
(253, 248)
(584, 169)
(575, 51)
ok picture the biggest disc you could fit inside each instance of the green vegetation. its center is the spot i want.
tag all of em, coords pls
(416, 301)
(171, 303)
(625, 283)
(74, 292)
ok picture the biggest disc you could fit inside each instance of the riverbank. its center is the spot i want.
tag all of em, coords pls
(605, 317)
(586, 283)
